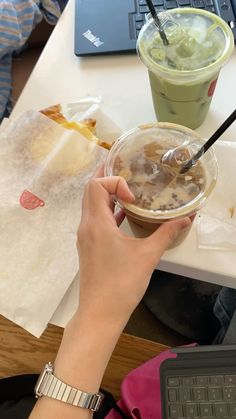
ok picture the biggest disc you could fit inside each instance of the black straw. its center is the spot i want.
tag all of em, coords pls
(210, 142)
(157, 22)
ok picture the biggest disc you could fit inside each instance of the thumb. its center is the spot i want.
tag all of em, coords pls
(165, 235)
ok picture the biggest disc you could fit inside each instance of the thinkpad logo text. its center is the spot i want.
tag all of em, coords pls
(92, 38)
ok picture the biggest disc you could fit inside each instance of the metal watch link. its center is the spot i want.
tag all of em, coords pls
(50, 386)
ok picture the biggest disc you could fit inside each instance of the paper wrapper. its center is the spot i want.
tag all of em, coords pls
(217, 221)
(68, 304)
(106, 128)
(43, 171)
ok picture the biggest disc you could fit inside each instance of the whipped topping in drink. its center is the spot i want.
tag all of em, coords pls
(154, 185)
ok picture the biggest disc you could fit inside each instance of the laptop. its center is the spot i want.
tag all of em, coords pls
(199, 382)
(112, 26)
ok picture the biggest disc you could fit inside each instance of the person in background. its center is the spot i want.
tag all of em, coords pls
(115, 270)
(18, 18)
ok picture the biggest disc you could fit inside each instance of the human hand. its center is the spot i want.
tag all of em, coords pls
(115, 269)
(114, 273)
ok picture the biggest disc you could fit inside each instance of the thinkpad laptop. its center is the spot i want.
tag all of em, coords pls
(199, 382)
(112, 26)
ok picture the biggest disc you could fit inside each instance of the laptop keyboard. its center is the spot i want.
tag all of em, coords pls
(202, 396)
(161, 5)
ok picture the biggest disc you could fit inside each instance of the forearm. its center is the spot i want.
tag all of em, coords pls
(114, 274)
(85, 350)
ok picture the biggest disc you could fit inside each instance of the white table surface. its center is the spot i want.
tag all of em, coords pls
(122, 81)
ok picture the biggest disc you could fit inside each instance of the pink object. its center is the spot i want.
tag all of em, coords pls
(30, 201)
(140, 390)
(212, 88)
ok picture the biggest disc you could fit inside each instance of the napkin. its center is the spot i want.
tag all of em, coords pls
(217, 220)
(41, 189)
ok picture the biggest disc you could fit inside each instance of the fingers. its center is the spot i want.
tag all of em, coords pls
(165, 235)
(99, 172)
(117, 186)
(119, 217)
(112, 186)
(98, 201)
(192, 217)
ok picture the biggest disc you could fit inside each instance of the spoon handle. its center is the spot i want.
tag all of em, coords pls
(210, 142)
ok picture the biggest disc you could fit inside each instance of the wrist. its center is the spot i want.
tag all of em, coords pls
(84, 352)
(111, 307)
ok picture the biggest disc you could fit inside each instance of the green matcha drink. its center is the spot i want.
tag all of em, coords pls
(183, 74)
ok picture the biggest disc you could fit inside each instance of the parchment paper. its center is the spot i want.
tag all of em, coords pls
(45, 166)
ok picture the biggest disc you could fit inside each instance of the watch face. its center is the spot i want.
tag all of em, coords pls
(48, 370)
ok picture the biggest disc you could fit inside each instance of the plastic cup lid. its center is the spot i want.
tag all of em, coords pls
(197, 40)
(159, 194)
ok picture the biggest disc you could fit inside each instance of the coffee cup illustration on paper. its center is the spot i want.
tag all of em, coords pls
(30, 201)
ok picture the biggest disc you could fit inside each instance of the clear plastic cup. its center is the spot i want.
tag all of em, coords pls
(161, 193)
(183, 74)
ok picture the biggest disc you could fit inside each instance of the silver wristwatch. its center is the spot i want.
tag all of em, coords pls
(50, 386)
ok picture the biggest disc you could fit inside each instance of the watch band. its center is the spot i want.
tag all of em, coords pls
(50, 386)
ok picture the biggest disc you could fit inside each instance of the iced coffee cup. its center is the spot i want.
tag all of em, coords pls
(183, 74)
(161, 192)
